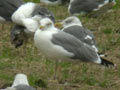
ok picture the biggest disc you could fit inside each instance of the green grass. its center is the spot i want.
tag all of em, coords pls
(71, 76)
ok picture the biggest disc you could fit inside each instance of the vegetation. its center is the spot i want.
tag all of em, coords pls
(71, 76)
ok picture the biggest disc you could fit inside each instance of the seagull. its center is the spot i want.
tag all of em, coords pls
(20, 83)
(7, 8)
(60, 45)
(28, 16)
(73, 26)
(29, 10)
(77, 7)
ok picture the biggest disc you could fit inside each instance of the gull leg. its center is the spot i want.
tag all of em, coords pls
(25, 46)
(26, 40)
(2, 26)
(11, 26)
(56, 69)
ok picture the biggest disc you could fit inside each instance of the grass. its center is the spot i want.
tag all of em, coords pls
(72, 76)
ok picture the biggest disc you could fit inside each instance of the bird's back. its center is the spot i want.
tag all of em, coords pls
(24, 87)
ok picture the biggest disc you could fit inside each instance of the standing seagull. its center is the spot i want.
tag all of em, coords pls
(87, 6)
(60, 45)
(73, 26)
(20, 83)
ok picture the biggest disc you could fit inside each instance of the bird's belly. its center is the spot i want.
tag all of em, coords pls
(53, 51)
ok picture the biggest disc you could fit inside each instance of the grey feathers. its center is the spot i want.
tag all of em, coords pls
(78, 6)
(8, 7)
(80, 50)
(81, 33)
(38, 10)
(24, 87)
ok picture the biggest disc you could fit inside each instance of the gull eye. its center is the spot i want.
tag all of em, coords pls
(68, 21)
(48, 24)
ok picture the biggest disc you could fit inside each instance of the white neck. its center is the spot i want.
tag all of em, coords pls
(51, 28)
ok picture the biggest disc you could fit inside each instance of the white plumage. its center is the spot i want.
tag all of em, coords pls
(20, 83)
(20, 79)
(23, 12)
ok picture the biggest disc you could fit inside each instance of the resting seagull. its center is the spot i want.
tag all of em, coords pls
(8, 7)
(29, 10)
(28, 16)
(73, 26)
(87, 6)
(20, 83)
(60, 45)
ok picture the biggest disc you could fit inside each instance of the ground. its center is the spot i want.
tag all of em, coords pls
(71, 76)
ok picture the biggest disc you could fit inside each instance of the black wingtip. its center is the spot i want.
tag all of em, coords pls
(107, 63)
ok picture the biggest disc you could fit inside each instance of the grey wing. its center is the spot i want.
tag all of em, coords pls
(80, 50)
(78, 6)
(81, 34)
(8, 7)
(88, 32)
(24, 87)
(43, 12)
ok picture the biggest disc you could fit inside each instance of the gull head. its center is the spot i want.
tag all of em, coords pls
(20, 79)
(73, 20)
(46, 24)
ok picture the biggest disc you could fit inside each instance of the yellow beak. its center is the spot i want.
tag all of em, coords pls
(58, 25)
(41, 27)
